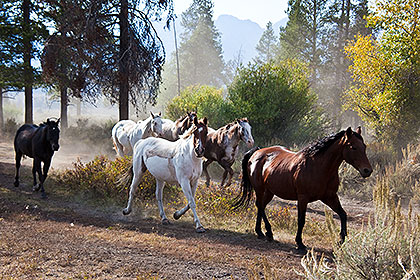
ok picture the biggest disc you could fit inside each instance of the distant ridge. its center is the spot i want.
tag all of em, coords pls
(237, 36)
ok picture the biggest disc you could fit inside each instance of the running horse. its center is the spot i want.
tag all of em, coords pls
(222, 146)
(306, 176)
(40, 143)
(178, 162)
(126, 133)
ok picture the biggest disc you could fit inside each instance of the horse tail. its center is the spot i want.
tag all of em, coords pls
(117, 145)
(125, 179)
(244, 199)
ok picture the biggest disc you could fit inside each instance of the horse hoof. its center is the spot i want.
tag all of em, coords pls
(177, 215)
(261, 236)
(126, 211)
(165, 222)
(36, 187)
(302, 248)
(200, 229)
(270, 238)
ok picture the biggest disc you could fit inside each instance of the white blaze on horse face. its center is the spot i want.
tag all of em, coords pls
(246, 132)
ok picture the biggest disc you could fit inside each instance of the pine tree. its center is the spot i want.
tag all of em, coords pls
(200, 52)
(304, 34)
(267, 45)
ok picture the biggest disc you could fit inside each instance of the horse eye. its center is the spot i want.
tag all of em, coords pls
(353, 148)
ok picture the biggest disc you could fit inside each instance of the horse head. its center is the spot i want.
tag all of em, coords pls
(245, 132)
(156, 124)
(200, 136)
(354, 152)
(53, 133)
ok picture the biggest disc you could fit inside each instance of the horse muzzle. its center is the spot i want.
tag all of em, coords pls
(250, 143)
(55, 147)
(365, 172)
(199, 152)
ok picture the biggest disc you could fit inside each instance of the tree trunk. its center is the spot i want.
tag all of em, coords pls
(1, 110)
(123, 101)
(64, 106)
(27, 51)
(78, 107)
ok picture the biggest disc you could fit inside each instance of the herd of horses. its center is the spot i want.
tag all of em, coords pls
(179, 152)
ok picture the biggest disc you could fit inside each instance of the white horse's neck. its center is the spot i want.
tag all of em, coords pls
(187, 147)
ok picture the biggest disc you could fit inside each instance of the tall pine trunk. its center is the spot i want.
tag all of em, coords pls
(27, 52)
(123, 64)
(64, 106)
(1, 110)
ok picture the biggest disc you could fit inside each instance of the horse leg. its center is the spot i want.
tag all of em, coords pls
(205, 171)
(268, 196)
(133, 188)
(334, 203)
(181, 212)
(228, 170)
(302, 205)
(43, 177)
(18, 158)
(188, 191)
(36, 168)
(261, 202)
(159, 194)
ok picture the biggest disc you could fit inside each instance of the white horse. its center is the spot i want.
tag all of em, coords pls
(126, 133)
(178, 162)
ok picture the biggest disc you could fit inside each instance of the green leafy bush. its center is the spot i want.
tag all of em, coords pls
(207, 101)
(277, 101)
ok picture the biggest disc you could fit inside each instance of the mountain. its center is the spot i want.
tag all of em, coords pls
(238, 37)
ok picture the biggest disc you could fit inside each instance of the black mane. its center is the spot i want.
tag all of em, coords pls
(324, 143)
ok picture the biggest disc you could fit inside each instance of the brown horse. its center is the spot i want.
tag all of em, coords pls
(222, 146)
(172, 130)
(306, 176)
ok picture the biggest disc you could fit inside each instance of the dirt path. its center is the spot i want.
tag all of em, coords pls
(58, 238)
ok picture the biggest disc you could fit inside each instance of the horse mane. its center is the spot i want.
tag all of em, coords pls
(224, 130)
(324, 143)
(188, 133)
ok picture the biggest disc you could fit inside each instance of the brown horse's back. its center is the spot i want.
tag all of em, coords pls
(273, 169)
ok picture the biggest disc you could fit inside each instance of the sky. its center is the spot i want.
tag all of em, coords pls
(259, 11)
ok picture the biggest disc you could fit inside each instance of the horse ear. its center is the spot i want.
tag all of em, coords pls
(160, 114)
(349, 132)
(359, 130)
(151, 114)
(205, 120)
(195, 121)
(48, 121)
(58, 120)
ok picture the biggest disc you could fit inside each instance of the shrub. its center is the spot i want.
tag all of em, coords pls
(97, 136)
(207, 101)
(277, 101)
(387, 248)
(101, 177)
(10, 127)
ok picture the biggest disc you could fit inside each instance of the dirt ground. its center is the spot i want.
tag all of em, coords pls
(58, 238)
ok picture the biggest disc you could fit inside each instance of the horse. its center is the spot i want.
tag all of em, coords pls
(178, 162)
(222, 146)
(172, 130)
(40, 143)
(126, 133)
(306, 176)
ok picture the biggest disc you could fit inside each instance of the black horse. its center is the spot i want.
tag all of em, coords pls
(40, 143)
